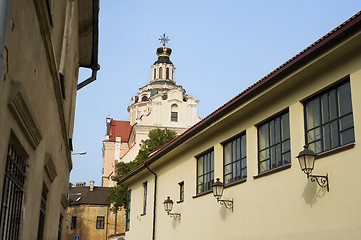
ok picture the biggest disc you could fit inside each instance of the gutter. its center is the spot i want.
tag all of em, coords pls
(154, 200)
(94, 66)
(4, 15)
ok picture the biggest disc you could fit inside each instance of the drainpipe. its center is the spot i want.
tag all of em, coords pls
(107, 224)
(94, 61)
(155, 198)
(92, 78)
(4, 15)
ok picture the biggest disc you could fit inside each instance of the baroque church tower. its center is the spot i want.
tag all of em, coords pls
(159, 104)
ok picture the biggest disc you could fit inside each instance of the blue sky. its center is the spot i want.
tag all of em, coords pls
(219, 49)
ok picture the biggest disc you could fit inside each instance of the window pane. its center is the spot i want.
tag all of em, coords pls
(278, 155)
(313, 114)
(334, 135)
(263, 137)
(315, 146)
(228, 178)
(277, 131)
(326, 136)
(272, 133)
(347, 136)
(325, 109)
(286, 146)
(286, 157)
(346, 122)
(243, 146)
(227, 153)
(285, 124)
(344, 99)
(244, 173)
(314, 135)
(263, 155)
(273, 157)
(263, 166)
(333, 104)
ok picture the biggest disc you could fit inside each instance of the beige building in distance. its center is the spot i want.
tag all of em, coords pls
(159, 104)
(88, 214)
(251, 144)
(42, 45)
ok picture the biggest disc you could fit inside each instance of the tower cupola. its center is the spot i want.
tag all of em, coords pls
(163, 68)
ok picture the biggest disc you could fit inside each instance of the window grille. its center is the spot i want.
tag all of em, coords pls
(13, 191)
(42, 212)
(100, 222)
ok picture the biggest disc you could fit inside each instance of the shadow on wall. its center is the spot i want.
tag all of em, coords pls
(312, 193)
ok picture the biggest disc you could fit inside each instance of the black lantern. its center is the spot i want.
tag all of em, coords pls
(217, 188)
(168, 206)
(307, 162)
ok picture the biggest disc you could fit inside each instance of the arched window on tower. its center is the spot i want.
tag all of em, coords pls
(160, 72)
(174, 113)
(172, 74)
(155, 73)
(144, 98)
(167, 73)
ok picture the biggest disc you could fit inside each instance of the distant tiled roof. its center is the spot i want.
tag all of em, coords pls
(83, 196)
(119, 129)
(316, 49)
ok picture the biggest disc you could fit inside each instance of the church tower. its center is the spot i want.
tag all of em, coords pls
(159, 104)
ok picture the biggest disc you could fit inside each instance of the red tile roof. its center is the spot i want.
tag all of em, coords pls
(119, 129)
(328, 41)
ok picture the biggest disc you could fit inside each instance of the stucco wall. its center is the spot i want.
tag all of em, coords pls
(33, 108)
(282, 205)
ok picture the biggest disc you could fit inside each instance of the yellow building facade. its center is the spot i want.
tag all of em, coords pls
(251, 144)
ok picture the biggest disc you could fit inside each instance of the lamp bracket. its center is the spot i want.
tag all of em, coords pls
(227, 203)
(176, 216)
(322, 181)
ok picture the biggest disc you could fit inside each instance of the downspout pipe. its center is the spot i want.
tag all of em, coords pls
(94, 61)
(4, 15)
(92, 78)
(155, 198)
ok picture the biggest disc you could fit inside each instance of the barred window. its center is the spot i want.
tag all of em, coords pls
(13, 190)
(100, 222)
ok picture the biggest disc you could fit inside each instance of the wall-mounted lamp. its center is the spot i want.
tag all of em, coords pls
(218, 192)
(168, 205)
(307, 161)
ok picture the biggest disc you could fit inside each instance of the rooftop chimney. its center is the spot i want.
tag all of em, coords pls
(91, 187)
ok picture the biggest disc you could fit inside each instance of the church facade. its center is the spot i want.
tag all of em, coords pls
(159, 104)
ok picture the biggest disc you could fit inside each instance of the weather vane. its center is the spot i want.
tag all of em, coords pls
(164, 39)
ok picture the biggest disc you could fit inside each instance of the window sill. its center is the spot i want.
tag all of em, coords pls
(335, 150)
(180, 201)
(235, 183)
(275, 170)
(202, 194)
